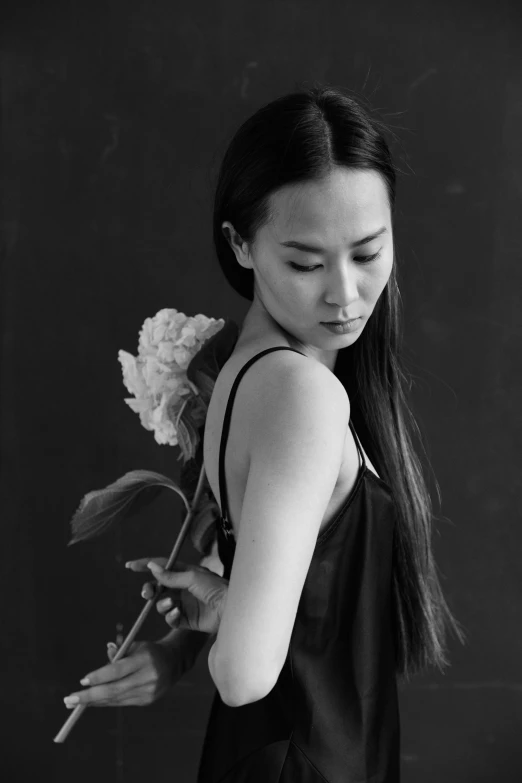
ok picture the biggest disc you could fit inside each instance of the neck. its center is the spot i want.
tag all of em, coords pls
(258, 325)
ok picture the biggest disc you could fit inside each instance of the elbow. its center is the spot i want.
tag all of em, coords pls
(235, 695)
(236, 690)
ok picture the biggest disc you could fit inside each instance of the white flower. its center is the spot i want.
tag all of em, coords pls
(157, 376)
(132, 377)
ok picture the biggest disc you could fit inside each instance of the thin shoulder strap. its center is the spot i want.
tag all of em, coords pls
(226, 426)
(357, 443)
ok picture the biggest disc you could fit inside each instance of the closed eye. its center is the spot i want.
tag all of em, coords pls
(359, 259)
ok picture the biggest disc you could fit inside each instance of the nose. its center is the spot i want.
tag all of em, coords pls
(342, 287)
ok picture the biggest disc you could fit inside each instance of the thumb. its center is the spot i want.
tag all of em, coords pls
(141, 563)
(202, 583)
(175, 577)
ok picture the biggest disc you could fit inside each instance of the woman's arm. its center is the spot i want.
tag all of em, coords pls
(297, 429)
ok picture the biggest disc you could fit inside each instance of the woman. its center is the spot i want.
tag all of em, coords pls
(332, 589)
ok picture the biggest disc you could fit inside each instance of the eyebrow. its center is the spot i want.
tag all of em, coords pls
(319, 250)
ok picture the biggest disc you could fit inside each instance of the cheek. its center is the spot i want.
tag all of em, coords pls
(380, 275)
(289, 288)
(301, 290)
(284, 295)
(294, 296)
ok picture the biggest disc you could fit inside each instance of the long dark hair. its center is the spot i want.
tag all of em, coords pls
(301, 137)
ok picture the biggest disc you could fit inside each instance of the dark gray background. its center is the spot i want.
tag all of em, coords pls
(115, 116)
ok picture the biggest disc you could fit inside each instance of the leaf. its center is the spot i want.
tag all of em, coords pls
(206, 364)
(203, 527)
(101, 508)
(190, 470)
(186, 437)
(205, 385)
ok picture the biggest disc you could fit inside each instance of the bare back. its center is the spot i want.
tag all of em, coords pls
(237, 456)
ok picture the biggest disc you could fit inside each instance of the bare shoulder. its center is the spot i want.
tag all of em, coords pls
(291, 388)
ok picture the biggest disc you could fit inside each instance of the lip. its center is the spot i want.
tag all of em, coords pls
(343, 327)
(348, 320)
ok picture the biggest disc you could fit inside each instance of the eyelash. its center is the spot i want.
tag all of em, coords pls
(300, 268)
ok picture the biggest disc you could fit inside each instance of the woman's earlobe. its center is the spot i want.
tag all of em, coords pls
(243, 256)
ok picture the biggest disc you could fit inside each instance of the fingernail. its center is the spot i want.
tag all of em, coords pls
(85, 681)
(71, 700)
(153, 566)
(128, 565)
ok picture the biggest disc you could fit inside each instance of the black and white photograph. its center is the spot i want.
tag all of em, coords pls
(260, 391)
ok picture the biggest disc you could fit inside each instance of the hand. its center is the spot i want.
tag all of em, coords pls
(138, 679)
(195, 597)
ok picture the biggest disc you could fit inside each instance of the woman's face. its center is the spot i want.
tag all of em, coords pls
(335, 277)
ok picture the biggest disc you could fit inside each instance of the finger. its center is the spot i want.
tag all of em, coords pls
(164, 605)
(141, 563)
(184, 578)
(149, 590)
(112, 649)
(199, 581)
(161, 563)
(111, 672)
(173, 618)
(134, 697)
(103, 695)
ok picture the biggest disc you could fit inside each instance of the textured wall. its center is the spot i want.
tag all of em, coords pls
(114, 119)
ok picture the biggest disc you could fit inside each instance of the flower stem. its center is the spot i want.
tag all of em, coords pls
(77, 712)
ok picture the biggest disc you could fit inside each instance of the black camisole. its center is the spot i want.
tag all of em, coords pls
(333, 714)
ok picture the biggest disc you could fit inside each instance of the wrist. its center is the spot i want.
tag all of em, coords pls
(183, 646)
